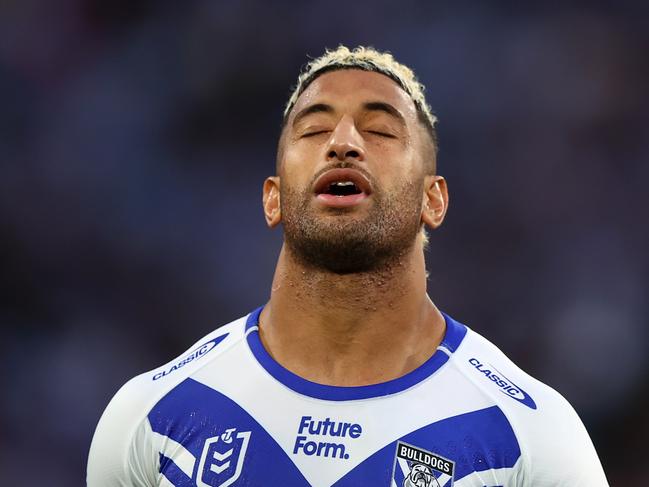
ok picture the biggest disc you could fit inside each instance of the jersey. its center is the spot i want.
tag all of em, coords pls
(226, 413)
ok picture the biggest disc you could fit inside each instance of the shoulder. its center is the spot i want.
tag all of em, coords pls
(198, 355)
(143, 391)
(556, 448)
(491, 371)
(111, 454)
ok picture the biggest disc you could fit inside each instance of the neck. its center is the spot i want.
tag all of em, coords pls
(353, 329)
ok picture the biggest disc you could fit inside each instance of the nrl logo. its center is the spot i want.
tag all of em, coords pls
(222, 459)
(414, 467)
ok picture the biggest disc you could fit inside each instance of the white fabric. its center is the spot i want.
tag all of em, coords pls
(555, 447)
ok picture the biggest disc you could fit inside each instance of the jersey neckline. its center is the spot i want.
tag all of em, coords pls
(455, 333)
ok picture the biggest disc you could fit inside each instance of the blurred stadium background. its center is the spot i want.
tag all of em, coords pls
(134, 138)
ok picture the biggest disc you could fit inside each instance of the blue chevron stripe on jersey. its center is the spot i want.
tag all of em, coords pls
(476, 441)
(194, 415)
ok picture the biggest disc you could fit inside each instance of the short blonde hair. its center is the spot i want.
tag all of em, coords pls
(367, 59)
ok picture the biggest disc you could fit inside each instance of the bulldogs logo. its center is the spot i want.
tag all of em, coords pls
(414, 467)
(420, 476)
(222, 459)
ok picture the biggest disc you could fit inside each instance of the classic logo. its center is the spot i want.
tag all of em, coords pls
(506, 386)
(222, 459)
(415, 467)
(195, 354)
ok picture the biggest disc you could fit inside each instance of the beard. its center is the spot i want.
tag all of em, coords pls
(342, 241)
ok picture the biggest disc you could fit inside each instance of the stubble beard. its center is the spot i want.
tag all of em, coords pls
(343, 242)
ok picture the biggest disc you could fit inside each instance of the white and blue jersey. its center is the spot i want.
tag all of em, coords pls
(226, 413)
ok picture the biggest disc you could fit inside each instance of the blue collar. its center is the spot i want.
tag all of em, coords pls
(455, 333)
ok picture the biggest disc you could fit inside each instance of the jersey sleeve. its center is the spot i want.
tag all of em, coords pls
(121, 453)
(124, 450)
(557, 449)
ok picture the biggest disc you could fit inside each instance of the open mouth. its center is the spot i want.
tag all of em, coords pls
(342, 187)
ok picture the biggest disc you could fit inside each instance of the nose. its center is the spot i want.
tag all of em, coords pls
(345, 142)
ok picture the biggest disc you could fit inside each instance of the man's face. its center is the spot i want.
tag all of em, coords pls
(351, 172)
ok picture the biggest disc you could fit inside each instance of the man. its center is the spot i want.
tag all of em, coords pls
(349, 375)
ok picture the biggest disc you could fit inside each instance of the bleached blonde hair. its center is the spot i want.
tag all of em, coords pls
(367, 59)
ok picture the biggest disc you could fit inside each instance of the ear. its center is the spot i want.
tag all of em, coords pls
(435, 202)
(272, 208)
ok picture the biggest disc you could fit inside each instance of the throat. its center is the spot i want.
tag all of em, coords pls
(345, 300)
(350, 330)
(371, 351)
(349, 297)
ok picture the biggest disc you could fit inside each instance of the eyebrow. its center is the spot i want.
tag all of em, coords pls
(379, 106)
(373, 106)
(317, 108)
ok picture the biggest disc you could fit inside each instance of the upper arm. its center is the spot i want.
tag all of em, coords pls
(120, 453)
(559, 452)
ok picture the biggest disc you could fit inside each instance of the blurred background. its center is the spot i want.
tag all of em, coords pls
(135, 136)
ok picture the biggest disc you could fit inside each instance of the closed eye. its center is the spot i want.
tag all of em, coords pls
(316, 132)
(381, 134)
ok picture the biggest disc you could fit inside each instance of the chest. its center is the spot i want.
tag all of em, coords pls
(205, 438)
